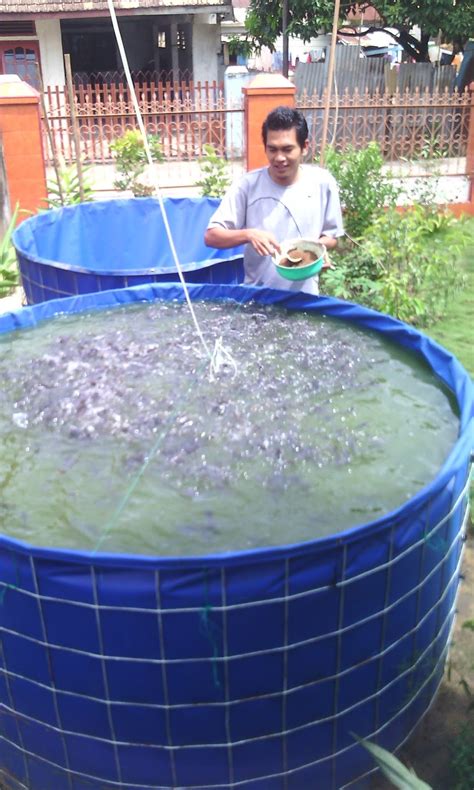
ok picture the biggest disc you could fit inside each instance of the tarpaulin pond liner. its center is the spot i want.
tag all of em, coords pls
(119, 243)
(251, 669)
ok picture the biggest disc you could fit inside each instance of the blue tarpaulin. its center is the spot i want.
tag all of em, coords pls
(250, 669)
(119, 243)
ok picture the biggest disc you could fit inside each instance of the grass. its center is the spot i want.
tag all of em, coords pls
(456, 330)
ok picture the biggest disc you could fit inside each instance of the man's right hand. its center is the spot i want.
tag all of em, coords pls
(263, 242)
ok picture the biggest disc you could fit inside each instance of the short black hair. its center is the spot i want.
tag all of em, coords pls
(284, 117)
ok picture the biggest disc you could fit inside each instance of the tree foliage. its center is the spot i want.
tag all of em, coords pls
(308, 18)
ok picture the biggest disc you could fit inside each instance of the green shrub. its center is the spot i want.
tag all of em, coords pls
(354, 277)
(131, 160)
(462, 758)
(406, 265)
(9, 277)
(215, 180)
(420, 250)
(64, 190)
(364, 189)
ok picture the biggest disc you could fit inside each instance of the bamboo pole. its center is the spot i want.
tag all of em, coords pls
(284, 29)
(75, 126)
(51, 139)
(332, 55)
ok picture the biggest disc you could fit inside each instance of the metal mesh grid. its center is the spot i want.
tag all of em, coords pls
(250, 676)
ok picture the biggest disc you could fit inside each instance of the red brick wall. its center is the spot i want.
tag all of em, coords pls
(22, 144)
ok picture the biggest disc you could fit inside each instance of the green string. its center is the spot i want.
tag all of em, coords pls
(128, 493)
(112, 522)
(210, 630)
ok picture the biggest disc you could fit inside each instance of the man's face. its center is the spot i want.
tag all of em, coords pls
(284, 155)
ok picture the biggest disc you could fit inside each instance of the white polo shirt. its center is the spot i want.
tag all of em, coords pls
(309, 208)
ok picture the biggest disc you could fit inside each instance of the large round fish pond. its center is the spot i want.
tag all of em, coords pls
(119, 244)
(251, 669)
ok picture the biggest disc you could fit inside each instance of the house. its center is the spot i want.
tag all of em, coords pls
(173, 36)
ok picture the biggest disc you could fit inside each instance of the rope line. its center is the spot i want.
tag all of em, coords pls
(220, 356)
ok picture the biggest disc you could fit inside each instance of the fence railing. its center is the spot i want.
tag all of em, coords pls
(184, 115)
(142, 76)
(407, 126)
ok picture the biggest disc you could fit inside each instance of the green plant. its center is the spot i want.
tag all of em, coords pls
(64, 189)
(9, 278)
(355, 276)
(131, 160)
(408, 264)
(240, 46)
(392, 768)
(462, 758)
(420, 251)
(432, 146)
(215, 180)
(364, 189)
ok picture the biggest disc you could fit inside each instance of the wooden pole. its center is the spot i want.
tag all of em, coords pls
(51, 139)
(332, 56)
(284, 30)
(75, 126)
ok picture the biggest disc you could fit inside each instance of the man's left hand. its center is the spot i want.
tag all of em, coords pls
(327, 263)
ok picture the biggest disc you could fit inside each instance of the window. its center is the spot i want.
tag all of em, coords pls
(21, 59)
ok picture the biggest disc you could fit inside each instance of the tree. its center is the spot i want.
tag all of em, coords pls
(307, 18)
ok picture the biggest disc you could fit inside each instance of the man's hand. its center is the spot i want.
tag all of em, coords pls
(263, 242)
(327, 263)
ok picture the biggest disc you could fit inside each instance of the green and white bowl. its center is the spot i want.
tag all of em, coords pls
(300, 272)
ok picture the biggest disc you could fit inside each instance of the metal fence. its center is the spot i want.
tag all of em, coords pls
(407, 126)
(185, 116)
(353, 72)
(411, 127)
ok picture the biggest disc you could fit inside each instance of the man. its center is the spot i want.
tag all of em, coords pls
(285, 200)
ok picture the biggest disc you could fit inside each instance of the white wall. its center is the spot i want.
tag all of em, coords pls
(206, 45)
(51, 51)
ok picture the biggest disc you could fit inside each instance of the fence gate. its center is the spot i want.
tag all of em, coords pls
(185, 116)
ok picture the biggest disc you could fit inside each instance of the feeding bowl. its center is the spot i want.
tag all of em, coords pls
(298, 271)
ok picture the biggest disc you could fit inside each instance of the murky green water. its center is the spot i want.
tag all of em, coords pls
(114, 438)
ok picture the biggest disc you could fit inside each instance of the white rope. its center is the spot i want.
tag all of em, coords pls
(220, 355)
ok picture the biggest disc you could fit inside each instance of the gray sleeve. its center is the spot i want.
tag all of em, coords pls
(232, 212)
(332, 220)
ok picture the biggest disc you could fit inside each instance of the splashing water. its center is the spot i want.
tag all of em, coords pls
(323, 427)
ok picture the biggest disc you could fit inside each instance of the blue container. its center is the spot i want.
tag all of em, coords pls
(119, 243)
(249, 669)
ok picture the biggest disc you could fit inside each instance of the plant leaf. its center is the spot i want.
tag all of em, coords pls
(393, 769)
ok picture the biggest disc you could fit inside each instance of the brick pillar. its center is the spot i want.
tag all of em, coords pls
(20, 128)
(262, 95)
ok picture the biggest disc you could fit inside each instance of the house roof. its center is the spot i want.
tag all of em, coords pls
(35, 7)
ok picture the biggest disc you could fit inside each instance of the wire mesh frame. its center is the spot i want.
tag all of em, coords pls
(450, 555)
(104, 782)
(20, 786)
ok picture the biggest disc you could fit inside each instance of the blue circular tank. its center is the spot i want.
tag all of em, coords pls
(251, 669)
(119, 243)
